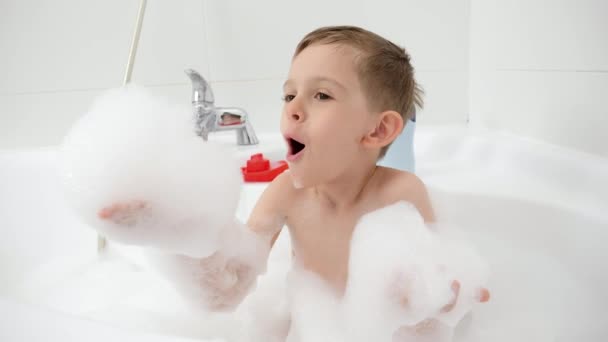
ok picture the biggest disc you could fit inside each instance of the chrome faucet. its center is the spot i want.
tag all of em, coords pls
(210, 118)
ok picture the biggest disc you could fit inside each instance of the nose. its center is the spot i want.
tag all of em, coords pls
(295, 111)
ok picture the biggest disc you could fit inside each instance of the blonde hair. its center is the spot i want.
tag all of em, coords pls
(384, 68)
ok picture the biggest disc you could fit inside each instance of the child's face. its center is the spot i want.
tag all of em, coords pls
(326, 113)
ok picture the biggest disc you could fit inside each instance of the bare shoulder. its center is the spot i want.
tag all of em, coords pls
(405, 186)
(269, 212)
(401, 184)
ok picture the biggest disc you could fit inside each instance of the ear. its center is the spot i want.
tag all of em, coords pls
(388, 125)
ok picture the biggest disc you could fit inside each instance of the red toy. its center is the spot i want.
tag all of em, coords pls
(259, 169)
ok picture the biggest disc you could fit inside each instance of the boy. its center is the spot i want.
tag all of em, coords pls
(347, 97)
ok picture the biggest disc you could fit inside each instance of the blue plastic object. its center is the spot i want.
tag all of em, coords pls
(401, 153)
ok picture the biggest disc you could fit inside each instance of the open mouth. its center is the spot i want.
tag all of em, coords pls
(295, 149)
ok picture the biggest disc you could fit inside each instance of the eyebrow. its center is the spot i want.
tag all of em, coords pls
(319, 79)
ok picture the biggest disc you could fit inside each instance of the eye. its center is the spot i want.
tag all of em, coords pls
(288, 97)
(322, 96)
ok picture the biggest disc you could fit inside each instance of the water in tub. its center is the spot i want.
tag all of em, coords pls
(541, 233)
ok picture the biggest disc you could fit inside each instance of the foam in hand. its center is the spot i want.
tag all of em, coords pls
(132, 146)
(460, 261)
(401, 271)
(222, 280)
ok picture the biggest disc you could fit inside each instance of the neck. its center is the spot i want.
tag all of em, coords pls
(345, 190)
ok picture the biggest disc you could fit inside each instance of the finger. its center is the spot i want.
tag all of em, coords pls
(138, 204)
(456, 290)
(484, 295)
(425, 327)
(108, 212)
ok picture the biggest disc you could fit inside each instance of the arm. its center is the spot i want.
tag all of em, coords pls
(415, 192)
(219, 281)
(269, 214)
(420, 198)
(408, 187)
(230, 274)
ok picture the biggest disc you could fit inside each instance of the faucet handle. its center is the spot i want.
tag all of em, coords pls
(201, 90)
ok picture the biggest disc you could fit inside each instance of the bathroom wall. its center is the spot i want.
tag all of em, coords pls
(535, 68)
(56, 56)
(540, 69)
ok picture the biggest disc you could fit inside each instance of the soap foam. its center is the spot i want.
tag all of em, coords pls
(400, 277)
(132, 146)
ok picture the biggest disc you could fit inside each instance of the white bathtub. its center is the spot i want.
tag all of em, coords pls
(537, 212)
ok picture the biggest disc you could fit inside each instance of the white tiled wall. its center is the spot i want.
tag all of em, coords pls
(57, 55)
(540, 68)
(63, 45)
(536, 68)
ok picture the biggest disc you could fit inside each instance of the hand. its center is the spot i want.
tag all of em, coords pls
(134, 223)
(221, 282)
(431, 326)
(483, 296)
(399, 289)
(125, 213)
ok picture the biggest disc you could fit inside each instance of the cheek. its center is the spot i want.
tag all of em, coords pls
(345, 129)
(283, 120)
(336, 140)
(327, 131)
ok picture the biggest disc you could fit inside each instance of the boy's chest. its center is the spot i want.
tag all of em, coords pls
(321, 241)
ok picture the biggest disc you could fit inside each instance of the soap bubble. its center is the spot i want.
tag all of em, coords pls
(315, 309)
(141, 152)
(399, 281)
(401, 273)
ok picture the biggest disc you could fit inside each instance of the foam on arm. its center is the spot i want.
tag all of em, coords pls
(401, 272)
(221, 281)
